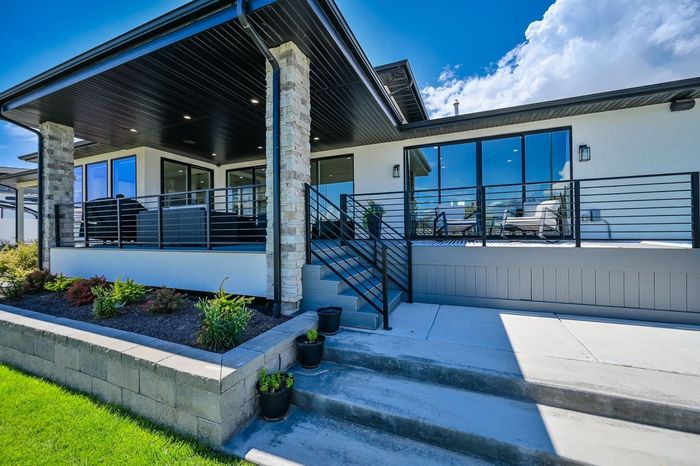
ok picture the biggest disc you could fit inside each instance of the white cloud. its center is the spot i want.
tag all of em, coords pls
(581, 47)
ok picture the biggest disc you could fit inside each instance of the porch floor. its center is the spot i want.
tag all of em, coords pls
(459, 242)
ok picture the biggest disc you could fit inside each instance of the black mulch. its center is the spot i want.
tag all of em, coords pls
(179, 327)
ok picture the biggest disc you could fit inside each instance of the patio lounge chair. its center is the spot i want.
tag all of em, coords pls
(453, 219)
(536, 218)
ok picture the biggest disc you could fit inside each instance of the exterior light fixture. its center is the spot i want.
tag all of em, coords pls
(254, 101)
(682, 104)
(186, 117)
(584, 153)
(397, 171)
(133, 130)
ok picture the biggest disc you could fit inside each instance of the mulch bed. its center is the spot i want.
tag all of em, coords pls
(179, 327)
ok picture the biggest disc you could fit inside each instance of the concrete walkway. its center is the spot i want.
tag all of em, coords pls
(644, 345)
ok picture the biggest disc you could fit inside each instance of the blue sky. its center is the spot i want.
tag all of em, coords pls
(486, 53)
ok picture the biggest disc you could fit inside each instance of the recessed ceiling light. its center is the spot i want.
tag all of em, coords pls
(508, 161)
(186, 117)
(213, 154)
(240, 177)
(181, 171)
(260, 147)
(515, 150)
(254, 101)
(316, 138)
(133, 130)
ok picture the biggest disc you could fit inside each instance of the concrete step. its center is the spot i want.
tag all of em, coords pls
(333, 284)
(311, 439)
(663, 399)
(500, 429)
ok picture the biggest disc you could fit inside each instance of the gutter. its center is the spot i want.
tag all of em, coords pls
(40, 181)
(241, 6)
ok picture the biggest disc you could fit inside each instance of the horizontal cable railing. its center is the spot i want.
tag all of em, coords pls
(660, 207)
(210, 218)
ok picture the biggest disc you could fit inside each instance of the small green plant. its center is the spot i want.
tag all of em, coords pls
(224, 320)
(164, 301)
(311, 336)
(127, 291)
(274, 382)
(105, 305)
(372, 213)
(60, 283)
(36, 280)
(80, 292)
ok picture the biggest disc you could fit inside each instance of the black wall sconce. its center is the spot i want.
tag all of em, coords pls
(397, 171)
(584, 153)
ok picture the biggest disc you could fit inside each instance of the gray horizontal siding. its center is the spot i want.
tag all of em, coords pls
(627, 278)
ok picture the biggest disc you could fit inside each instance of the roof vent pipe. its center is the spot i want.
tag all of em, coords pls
(276, 195)
(456, 104)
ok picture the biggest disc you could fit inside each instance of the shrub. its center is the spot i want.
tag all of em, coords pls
(60, 283)
(127, 291)
(271, 383)
(36, 280)
(16, 262)
(105, 305)
(225, 318)
(80, 292)
(164, 301)
(13, 283)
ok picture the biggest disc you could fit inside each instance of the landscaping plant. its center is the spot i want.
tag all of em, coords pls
(275, 393)
(16, 262)
(80, 292)
(105, 305)
(127, 291)
(164, 301)
(36, 280)
(274, 382)
(224, 320)
(310, 349)
(60, 283)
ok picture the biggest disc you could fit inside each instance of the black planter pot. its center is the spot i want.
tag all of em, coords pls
(374, 225)
(329, 320)
(310, 354)
(274, 406)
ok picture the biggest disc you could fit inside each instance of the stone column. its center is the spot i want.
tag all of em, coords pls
(19, 211)
(57, 177)
(295, 149)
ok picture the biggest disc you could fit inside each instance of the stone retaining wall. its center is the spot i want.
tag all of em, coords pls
(195, 392)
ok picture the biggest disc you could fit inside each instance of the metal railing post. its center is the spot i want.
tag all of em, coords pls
(577, 213)
(343, 219)
(209, 194)
(119, 223)
(160, 222)
(481, 210)
(385, 289)
(695, 206)
(307, 216)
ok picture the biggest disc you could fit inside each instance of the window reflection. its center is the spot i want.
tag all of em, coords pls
(96, 174)
(124, 176)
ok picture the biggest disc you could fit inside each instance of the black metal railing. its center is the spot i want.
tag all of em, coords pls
(332, 229)
(659, 207)
(210, 218)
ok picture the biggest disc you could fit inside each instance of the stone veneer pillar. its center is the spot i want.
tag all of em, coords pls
(295, 150)
(57, 177)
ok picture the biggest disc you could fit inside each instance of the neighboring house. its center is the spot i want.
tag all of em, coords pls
(584, 205)
(18, 195)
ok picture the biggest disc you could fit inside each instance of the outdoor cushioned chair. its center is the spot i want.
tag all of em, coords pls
(453, 219)
(101, 218)
(536, 218)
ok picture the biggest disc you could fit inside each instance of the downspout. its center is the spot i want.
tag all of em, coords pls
(276, 157)
(40, 181)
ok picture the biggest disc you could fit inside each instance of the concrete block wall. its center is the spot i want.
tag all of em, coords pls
(194, 392)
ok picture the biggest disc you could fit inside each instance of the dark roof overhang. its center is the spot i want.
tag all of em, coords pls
(197, 61)
(572, 106)
(401, 84)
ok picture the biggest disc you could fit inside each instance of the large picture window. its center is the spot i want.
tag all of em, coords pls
(243, 199)
(124, 176)
(96, 180)
(180, 177)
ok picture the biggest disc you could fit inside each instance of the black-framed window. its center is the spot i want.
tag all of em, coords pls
(124, 176)
(333, 176)
(180, 177)
(96, 180)
(78, 183)
(242, 198)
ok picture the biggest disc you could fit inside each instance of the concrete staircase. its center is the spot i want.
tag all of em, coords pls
(323, 287)
(397, 405)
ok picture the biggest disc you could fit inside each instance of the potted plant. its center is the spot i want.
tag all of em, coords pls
(310, 349)
(275, 394)
(329, 320)
(372, 219)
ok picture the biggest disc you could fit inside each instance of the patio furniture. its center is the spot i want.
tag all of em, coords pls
(536, 218)
(451, 218)
(101, 219)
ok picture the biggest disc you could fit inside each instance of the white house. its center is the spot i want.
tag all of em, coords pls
(199, 127)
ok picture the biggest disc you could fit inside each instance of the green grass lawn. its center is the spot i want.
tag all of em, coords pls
(42, 423)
